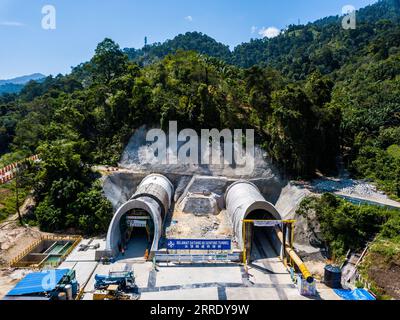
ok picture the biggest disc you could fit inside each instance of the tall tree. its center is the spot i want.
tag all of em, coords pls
(109, 61)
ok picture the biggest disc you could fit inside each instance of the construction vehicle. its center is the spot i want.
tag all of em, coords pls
(124, 280)
(112, 292)
(67, 284)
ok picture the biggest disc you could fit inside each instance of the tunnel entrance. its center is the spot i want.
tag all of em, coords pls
(137, 233)
(260, 240)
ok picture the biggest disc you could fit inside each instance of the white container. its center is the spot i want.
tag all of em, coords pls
(68, 291)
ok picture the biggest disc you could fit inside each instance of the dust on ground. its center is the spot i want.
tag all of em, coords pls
(190, 226)
(14, 238)
(9, 278)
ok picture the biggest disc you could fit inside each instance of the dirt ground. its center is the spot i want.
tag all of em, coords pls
(13, 240)
(317, 268)
(190, 226)
(385, 274)
(9, 278)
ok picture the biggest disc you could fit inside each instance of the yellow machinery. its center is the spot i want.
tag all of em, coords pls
(111, 293)
(287, 229)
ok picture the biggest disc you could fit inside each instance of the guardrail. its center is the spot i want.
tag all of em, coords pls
(197, 258)
(7, 173)
(68, 252)
(25, 252)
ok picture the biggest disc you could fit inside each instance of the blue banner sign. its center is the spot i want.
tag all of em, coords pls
(199, 244)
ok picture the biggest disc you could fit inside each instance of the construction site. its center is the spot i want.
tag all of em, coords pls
(186, 233)
(179, 237)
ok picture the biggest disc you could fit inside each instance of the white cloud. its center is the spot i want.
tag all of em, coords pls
(270, 32)
(189, 18)
(253, 29)
(11, 24)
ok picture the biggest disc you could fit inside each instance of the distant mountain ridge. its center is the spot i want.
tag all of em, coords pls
(23, 79)
(302, 45)
(15, 85)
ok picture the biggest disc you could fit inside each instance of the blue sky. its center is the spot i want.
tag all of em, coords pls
(81, 24)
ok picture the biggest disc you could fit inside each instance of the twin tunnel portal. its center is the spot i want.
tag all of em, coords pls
(139, 223)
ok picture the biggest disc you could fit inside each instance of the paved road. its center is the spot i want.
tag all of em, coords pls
(266, 279)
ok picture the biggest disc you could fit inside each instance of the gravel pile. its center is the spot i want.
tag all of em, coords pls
(349, 187)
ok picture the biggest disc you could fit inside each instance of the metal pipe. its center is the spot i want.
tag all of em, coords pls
(296, 259)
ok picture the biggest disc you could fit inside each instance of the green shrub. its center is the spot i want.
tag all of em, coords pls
(346, 226)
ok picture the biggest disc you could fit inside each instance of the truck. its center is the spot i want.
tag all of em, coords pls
(124, 280)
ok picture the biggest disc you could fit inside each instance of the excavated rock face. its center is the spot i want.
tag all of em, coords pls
(139, 156)
(200, 196)
(120, 186)
(201, 204)
(308, 237)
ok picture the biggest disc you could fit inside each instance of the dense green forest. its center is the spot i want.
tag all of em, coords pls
(345, 226)
(313, 94)
(10, 88)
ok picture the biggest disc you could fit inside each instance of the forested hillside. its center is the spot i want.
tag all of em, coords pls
(300, 49)
(191, 41)
(10, 88)
(313, 94)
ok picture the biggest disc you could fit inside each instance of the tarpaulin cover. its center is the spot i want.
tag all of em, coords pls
(38, 282)
(357, 294)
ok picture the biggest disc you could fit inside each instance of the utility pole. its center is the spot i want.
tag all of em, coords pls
(17, 195)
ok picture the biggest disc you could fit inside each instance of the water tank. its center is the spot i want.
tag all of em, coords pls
(68, 291)
(333, 277)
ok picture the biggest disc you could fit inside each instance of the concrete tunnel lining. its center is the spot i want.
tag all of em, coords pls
(154, 196)
(243, 198)
(157, 187)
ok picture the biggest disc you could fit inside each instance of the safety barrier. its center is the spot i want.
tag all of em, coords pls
(197, 258)
(16, 262)
(8, 172)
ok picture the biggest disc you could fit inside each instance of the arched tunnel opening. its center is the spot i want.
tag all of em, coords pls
(245, 203)
(137, 225)
(254, 227)
(260, 241)
(137, 233)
